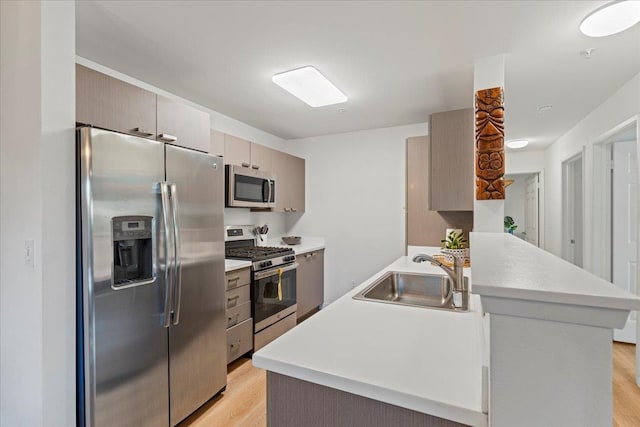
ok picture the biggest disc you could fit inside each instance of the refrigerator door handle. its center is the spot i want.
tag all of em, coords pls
(176, 255)
(164, 196)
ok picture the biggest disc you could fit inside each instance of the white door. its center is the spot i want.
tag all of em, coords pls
(625, 228)
(531, 209)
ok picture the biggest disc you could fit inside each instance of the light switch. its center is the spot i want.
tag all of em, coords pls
(29, 253)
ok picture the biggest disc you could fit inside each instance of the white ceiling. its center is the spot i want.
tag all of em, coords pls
(396, 61)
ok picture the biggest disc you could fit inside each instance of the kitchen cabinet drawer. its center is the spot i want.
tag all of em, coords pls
(237, 278)
(182, 125)
(105, 102)
(238, 296)
(272, 332)
(239, 340)
(238, 314)
(310, 282)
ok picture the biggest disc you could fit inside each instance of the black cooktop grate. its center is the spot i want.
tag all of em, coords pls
(256, 253)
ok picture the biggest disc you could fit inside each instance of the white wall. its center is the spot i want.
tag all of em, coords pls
(622, 105)
(355, 199)
(37, 115)
(524, 161)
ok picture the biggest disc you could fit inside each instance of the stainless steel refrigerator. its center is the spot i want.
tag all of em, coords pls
(151, 325)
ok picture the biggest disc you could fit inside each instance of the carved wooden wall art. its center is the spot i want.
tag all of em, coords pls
(490, 144)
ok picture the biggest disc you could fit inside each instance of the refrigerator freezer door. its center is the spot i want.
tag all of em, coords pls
(197, 340)
(125, 345)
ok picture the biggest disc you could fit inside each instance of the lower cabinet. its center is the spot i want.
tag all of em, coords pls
(238, 313)
(310, 282)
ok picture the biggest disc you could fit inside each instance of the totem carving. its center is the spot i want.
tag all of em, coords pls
(490, 144)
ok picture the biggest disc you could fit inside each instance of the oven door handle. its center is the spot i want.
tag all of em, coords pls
(274, 271)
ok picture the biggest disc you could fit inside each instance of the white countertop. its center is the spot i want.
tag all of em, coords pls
(235, 264)
(307, 244)
(507, 267)
(417, 358)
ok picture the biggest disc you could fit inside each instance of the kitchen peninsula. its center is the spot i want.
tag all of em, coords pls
(417, 361)
(367, 363)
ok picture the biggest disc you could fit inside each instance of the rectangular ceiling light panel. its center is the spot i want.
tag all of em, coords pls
(310, 86)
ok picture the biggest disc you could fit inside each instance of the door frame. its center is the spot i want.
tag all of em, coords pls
(567, 211)
(601, 210)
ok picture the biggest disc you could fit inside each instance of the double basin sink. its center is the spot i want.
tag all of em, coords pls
(413, 289)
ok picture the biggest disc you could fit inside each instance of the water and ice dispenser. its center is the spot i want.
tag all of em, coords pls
(133, 254)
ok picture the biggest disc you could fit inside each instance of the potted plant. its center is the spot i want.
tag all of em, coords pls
(510, 224)
(455, 245)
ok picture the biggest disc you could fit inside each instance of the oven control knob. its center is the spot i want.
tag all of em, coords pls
(269, 263)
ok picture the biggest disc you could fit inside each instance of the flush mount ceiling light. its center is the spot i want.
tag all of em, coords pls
(520, 143)
(310, 86)
(611, 18)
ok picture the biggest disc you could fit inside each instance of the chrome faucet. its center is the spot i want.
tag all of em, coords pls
(456, 274)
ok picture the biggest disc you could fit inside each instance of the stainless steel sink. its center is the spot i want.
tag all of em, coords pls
(413, 289)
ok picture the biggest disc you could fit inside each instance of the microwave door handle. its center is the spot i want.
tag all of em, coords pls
(265, 186)
(176, 255)
(164, 197)
(270, 190)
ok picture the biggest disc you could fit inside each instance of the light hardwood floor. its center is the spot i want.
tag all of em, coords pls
(244, 402)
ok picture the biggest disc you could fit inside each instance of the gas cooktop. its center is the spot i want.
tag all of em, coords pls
(256, 253)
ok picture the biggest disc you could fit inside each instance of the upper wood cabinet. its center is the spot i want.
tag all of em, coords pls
(182, 125)
(261, 157)
(452, 164)
(216, 145)
(290, 182)
(109, 103)
(238, 151)
(426, 227)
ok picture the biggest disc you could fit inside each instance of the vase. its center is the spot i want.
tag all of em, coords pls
(463, 254)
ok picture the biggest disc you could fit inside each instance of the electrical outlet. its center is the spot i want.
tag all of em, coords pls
(29, 253)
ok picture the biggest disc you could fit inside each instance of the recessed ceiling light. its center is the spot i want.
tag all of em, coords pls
(310, 86)
(520, 143)
(543, 108)
(611, 18)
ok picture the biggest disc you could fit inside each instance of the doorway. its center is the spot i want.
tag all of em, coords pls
(522, 204)
(615, 212)
(572, 207)
(624, 224)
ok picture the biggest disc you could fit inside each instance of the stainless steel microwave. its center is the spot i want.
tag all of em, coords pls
(249, 188)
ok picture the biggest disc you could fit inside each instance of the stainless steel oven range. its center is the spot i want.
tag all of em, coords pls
(273, 283)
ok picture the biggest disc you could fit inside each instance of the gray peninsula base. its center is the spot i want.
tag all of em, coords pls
(293, 403)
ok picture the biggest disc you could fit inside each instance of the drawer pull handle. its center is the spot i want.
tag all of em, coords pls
(245, 165)
(167, 137)
(233, 298)
(256, 167)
